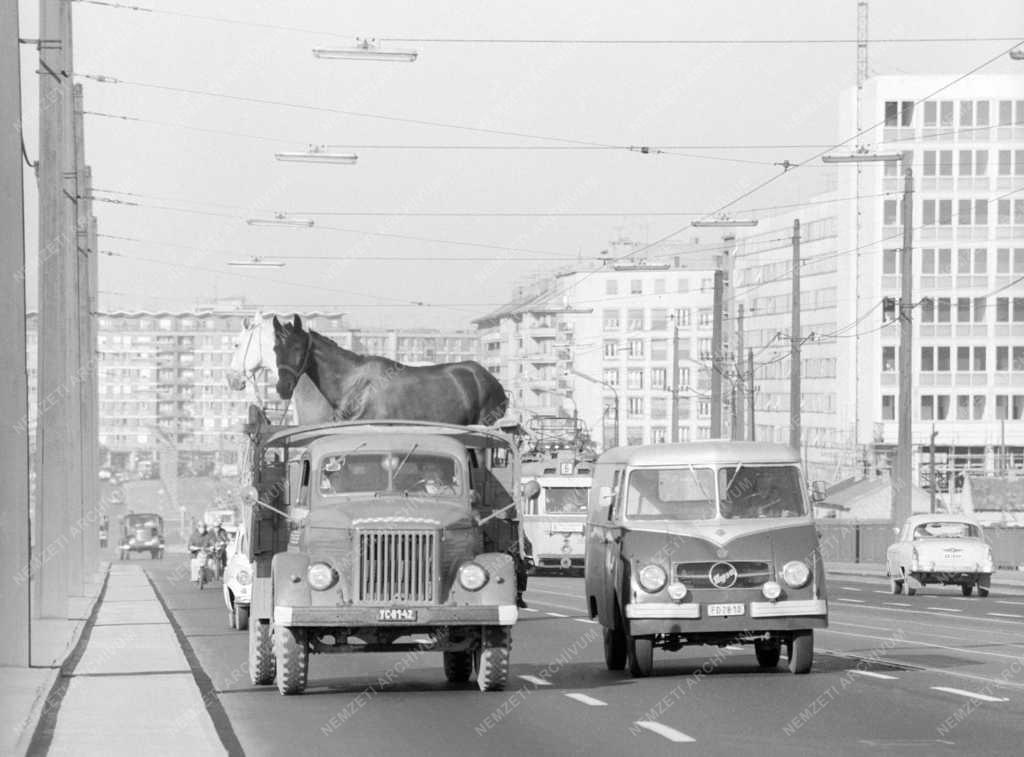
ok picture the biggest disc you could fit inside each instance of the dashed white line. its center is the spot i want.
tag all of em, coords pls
(847, 599)
(971, 694)
(587, 700)
(663, 730)
(1004, 615)
(529, 609)
(879, 591)
(1008, 602)
(585, 620)
(734, 647)
(536, 681)
(944, 609)
(898, 604)
(556, 615)
(850, 588)
(870, 674)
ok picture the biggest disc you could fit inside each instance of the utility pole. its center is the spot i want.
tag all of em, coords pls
(15, 597)
(931, 463)
(674, 385)
(739, 400)
(902, 486)
(750, 380)
(794, 346)
(716, 359)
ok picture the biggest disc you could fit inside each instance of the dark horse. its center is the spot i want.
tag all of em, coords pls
(361, 387)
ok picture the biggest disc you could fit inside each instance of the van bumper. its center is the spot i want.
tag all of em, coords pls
(668, 617)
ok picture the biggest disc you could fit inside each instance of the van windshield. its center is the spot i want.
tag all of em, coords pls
(761, 491)
(405, 471)
(671, 494)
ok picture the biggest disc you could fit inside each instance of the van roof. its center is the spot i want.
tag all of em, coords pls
(701, 453)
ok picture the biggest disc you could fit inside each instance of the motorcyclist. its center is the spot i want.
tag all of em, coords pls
(200, 540)
(220, 540)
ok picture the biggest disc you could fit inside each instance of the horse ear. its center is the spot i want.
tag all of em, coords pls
(297, 323)
(278, 328)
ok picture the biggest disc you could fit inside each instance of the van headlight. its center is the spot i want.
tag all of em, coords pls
(677, 591)
(243, 577)
(472, 576)
(771, 590)
(321, 576)
(652, 578)
(795, 574)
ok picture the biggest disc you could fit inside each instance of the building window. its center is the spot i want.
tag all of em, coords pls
(1004, 163)
(610, 376)
(682, 286)
(703, 409)
(899, 113)
(890, 261)
(705, 317)
(1002, 407)
(636, 286)
(611, 286)
(1018, 407)
(1002, 309)
(658, 377)
(942, 407)
(963, 407)
(659, 286)
(657, 434)
(945, 162)
(659, 407)
(1002, 358)
(635, 378)
(635, 319)
(611, 349)
(890, 212)
(889, 359)
(888, 407)
(927, 359)
(980, 309)
(963, 358)
(978, 407)
(635, 407)
(610, 319)
(980, 358)
(634, 435)
(659, 349)
(683, 314)
(946, 113)
(942, 361)
(945, 212)
(943, 309)
(636, 347)
(659, 319)
(963, 309)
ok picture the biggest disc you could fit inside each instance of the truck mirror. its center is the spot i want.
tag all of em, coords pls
(531, 489)
(605, 494)
(249, 495)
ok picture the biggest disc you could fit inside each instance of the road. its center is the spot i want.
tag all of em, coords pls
(892, 675)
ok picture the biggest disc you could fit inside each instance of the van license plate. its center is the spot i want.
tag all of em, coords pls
(725, 610)
(396, 613)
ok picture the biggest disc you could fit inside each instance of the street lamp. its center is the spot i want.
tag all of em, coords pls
(280, 219)
(615, 393)
(723, 223)
(318, 154)
(366, 49)
(901, 484)
(1017, 53)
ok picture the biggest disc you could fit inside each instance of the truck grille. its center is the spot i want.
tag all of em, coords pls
(696, 575)
(396, 566)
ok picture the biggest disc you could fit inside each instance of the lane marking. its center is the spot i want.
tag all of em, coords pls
(879, 591)
(1004, 615)
(528, 609)
(850, 588)
(870, 674)
(1008, 602)
(734, 647)
(536, 681)
(556, 615)
(944, 609)
(919, 643)
(848, 599)
(898, 604)
(587, 700)
(971, 694)
(663, 730)
(585, 620)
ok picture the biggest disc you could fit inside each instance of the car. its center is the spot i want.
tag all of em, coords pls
(948, 549)
(142, 532)
(227, 517)
(238, 582)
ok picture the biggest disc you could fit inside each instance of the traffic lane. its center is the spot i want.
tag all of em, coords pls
(1006, 602)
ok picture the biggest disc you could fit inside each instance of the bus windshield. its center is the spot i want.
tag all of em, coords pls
(761, 491)
(671, 494)
(565, 499)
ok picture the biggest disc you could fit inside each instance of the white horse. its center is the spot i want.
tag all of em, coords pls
(254, 356)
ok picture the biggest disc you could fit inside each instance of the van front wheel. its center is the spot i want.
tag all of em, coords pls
(801, 652)
(614, 648)
(640, 655)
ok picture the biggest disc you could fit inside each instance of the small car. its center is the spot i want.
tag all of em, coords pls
(142, 532)
(238, 582)
(943, 549)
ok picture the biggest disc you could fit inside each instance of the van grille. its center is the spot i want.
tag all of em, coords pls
(696, 574)
(396, 566)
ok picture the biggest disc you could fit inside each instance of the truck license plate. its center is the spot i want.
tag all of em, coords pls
(396, 613)
(725, 610)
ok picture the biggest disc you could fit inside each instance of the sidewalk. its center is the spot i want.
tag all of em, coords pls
(128, 688)
(1014, 578)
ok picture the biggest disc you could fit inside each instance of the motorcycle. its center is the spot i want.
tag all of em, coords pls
(208, 565)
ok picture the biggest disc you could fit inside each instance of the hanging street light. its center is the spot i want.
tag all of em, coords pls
(280, 219)
(366, 49)
(318, 154)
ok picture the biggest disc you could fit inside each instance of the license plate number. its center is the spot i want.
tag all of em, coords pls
(725, 610)
(396, 614)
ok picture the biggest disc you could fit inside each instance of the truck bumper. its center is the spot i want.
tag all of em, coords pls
(363, 616)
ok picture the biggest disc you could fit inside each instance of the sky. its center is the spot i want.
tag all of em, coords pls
(408, 236)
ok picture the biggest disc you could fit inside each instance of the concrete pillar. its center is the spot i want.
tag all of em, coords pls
(14, 463)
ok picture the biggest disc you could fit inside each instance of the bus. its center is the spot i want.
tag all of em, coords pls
(554, 519)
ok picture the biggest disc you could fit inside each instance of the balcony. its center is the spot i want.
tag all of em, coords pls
(539, 357)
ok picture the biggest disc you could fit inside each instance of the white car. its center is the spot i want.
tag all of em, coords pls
(940, 549)
(238, 581)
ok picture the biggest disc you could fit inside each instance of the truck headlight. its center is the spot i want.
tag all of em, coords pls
(796, 574)
(243, 577)
(652, 578)
(321, 576)
(472, 577)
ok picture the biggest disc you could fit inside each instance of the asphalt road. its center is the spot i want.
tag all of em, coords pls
(932, 674)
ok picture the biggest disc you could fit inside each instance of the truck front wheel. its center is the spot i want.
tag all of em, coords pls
(291, 655)
(261, 654)
(492, 659)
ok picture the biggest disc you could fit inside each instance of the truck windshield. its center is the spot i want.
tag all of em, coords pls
(671, 494)
(761, 491)
(565, 499)
(408, 471)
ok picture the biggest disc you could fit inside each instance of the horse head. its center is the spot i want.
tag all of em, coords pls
(293, 347)
(252, 349)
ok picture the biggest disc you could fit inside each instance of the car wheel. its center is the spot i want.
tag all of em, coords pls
(982, 591)
(291, 655)
(458, 666)
(896, 586)
(911, 590)
(801, 652)
(241, 617)
(768, 653)
(640, 655)
(967, 589)
(261, 653)
(614, 648)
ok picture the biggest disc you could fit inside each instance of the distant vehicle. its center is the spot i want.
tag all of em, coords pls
(227, 517)
(142, 532)
(554, 520)
(940, 549)
(703, 543)
(238, 582)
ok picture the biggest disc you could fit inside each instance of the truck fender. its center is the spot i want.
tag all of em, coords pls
(291, 585)
(500, 589)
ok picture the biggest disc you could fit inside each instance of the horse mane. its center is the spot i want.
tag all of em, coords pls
(355, 356)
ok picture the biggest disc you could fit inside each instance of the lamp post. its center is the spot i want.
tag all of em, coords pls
(902, 483)
(318, 154)
(366, 49)
(615, 394)
(280, 219)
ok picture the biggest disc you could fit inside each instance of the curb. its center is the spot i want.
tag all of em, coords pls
(76, 647)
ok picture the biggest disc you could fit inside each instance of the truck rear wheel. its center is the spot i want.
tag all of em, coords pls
(458, 666)
(261, 654)
(291, 655)
(492, 659)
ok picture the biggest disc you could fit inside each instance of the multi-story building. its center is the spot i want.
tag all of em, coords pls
(162, 375)
(597, 342)
(966, 148)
